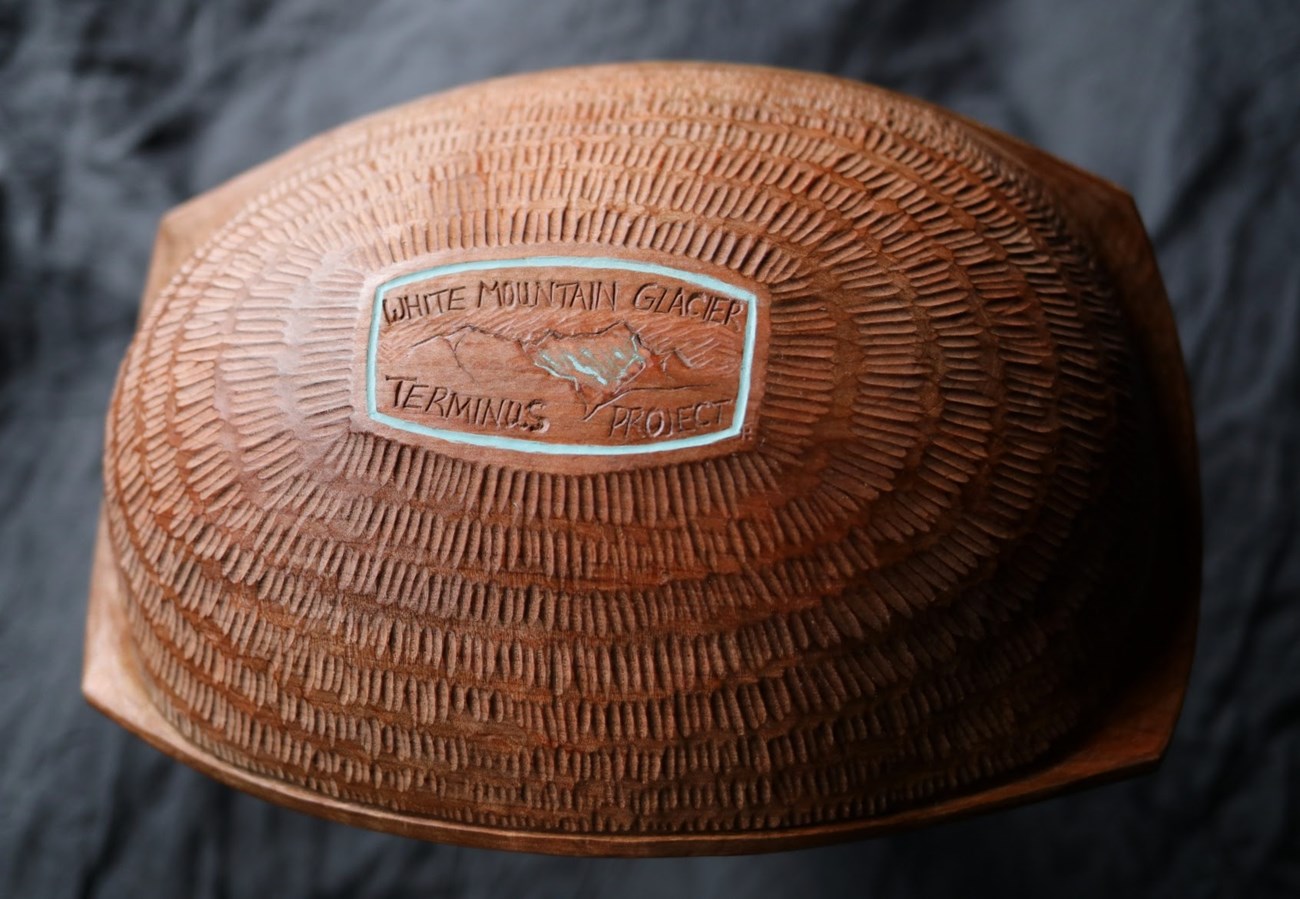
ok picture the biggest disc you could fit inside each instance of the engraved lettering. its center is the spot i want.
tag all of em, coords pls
(413, 396)
(647, 295)
(460, 404)
(414, 304)
(436, 400)
(631, 422)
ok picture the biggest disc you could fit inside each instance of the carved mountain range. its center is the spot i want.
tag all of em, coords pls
(600, 365)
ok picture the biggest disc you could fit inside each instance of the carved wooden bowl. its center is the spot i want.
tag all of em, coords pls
(651, 459)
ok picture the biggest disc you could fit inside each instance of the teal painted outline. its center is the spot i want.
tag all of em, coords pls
(560, 449)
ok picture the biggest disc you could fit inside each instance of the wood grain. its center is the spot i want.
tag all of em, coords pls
(907, 512)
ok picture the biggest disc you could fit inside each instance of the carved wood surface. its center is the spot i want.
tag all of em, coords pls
(647, 451)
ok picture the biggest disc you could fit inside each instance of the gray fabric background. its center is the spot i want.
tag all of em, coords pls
(111, 112)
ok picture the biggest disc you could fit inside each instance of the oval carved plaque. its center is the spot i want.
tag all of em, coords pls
(562, 355)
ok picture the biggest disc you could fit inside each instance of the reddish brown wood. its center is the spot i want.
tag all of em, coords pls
(651, 459)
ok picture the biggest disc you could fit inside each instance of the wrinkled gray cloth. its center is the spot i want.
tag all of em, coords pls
(112, 112)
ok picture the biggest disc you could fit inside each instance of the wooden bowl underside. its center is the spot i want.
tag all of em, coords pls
(1130, 740)
(1000, 610)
